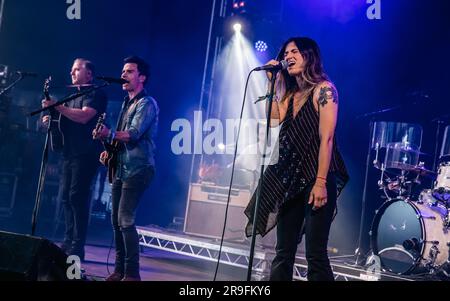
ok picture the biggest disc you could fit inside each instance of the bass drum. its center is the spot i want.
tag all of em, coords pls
(406, 235)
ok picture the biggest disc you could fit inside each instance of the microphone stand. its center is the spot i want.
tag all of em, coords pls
(7, 89)
(261, 178)
(44, 159)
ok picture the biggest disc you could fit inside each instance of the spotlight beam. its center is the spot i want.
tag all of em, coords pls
(237, 27)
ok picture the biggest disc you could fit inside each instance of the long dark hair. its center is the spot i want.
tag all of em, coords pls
(312, 75)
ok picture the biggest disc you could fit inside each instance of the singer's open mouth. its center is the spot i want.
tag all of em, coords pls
(291, 63)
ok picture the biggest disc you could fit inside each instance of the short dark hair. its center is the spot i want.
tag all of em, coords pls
(88, 64)
(142, 66)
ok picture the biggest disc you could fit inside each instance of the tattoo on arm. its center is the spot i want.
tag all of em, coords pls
(326, 94)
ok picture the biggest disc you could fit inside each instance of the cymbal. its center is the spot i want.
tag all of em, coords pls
(422, 171)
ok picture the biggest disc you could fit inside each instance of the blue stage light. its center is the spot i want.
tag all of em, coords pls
(261, 46)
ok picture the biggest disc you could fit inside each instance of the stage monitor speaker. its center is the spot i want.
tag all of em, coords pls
(205, 214)
(25, 257)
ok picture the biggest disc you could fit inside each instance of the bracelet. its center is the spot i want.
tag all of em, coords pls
(322, 178)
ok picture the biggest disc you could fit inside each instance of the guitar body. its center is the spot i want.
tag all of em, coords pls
(111, 160)
(56, 135)
(112, 151)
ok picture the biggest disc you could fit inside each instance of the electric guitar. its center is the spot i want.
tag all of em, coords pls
(112, 150)
(56, 135)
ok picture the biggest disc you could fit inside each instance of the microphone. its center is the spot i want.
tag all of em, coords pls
(282, 65)
(113, 80)
(24, 73)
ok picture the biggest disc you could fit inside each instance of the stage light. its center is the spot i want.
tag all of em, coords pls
(237, 58)
(237, 27)
(261, 46)
(239, 7)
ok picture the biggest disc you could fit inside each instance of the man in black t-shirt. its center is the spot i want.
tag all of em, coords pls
(80, 153)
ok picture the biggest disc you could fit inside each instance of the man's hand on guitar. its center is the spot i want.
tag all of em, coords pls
(100, 133)
(45, 120)
(103, 157)
(46, 103)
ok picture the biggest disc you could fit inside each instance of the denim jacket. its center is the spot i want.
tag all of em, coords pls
(140, 119)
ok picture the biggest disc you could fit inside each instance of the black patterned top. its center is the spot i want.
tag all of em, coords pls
(299, 143)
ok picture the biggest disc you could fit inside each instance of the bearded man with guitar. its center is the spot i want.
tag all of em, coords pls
(129, 156)
(74, 122)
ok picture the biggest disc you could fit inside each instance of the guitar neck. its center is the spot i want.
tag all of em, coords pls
(54, 114)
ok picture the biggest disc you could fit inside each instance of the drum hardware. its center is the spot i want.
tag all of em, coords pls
(411, 234)
(448, 247)
(377, 151)
(399, 185)
(432, 257)
(408, 236)
(401, 170)
(383, 134)
(428, 217)
(415, 243)
(441, 187)
(424, 197)
(443, 272)
(446, 221)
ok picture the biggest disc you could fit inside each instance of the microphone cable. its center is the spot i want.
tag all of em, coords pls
(232, 174)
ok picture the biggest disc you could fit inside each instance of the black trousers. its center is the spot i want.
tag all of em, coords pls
(297, 219)
(78, 174)
(125, 198)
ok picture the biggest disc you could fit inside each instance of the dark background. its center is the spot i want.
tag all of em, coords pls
(375, 64)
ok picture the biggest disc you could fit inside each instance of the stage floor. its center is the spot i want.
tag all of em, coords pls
(158, 265)
(174, 256)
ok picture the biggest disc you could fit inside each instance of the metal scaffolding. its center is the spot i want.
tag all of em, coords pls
(237, 255)
(233, 255)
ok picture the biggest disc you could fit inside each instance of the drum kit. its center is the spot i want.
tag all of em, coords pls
(410, 231)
